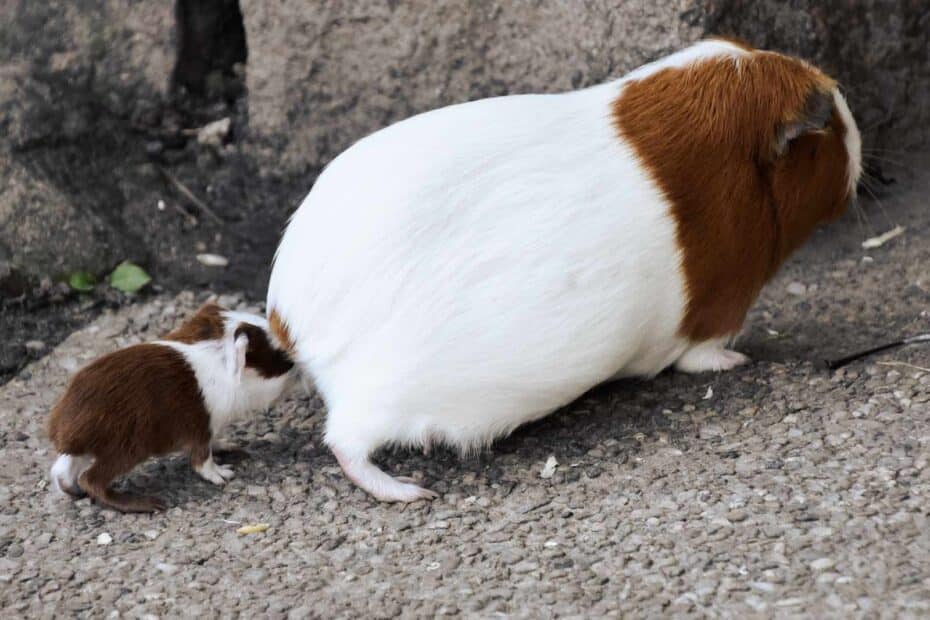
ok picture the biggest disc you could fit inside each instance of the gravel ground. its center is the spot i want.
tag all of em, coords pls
(779, 489)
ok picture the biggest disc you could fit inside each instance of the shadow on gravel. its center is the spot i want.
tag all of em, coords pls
(613, 414)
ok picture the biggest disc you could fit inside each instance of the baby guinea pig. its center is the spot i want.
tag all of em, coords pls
(172, 394)
(473, 268)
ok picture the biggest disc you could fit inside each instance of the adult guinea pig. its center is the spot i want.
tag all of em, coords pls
(470, 269)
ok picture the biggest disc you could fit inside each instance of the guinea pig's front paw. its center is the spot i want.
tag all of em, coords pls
(226, 472)
(211, 472)
(709, 356)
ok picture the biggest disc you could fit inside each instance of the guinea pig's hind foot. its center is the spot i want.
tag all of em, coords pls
(126, 502)
(366, 475)
(66, 471)
(96, 482)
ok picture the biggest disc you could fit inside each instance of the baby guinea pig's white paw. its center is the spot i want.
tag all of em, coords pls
(217, 474)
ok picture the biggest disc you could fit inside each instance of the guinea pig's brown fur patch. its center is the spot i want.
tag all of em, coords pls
(708, 134)
(282, 333)
(261, 355)
(125, 407)
(206, 324)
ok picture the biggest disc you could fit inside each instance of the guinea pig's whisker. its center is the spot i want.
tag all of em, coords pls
(881, 207)
(868, 179)
(865, 225)
(888, 160)
(871, 126)
(867, 182)
(857, 209)
(880, 149)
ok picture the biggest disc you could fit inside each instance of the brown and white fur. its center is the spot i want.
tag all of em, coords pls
(473, 268)
(173, 394)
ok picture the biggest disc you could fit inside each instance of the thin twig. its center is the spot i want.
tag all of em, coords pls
(882, 239)
(187, 193)
(903, 364)
(843, 361)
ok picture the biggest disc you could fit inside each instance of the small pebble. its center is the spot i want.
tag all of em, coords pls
(822, 564)
(166, 568)
(212, 260)
(736, 516)
(549, 468)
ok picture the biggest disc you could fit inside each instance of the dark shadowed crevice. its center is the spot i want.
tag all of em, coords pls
(211, 48)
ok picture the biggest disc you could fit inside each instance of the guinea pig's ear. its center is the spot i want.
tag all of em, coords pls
(236, 346)
(814, 117)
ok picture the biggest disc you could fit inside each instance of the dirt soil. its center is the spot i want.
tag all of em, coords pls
(164, 228)
(779, 489)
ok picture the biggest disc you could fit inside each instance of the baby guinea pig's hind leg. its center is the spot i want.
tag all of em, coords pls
(96, 482)
(202, 461)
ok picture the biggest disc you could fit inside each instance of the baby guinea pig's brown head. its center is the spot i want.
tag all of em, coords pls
(260, 354)
(250, 346)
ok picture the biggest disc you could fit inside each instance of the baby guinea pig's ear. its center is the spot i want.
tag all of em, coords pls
(813, 117)
(236, 346)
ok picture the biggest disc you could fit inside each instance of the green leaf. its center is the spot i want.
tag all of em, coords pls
(82, 281)
(129, 278)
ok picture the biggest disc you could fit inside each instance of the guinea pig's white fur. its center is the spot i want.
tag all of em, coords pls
(473, 268)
